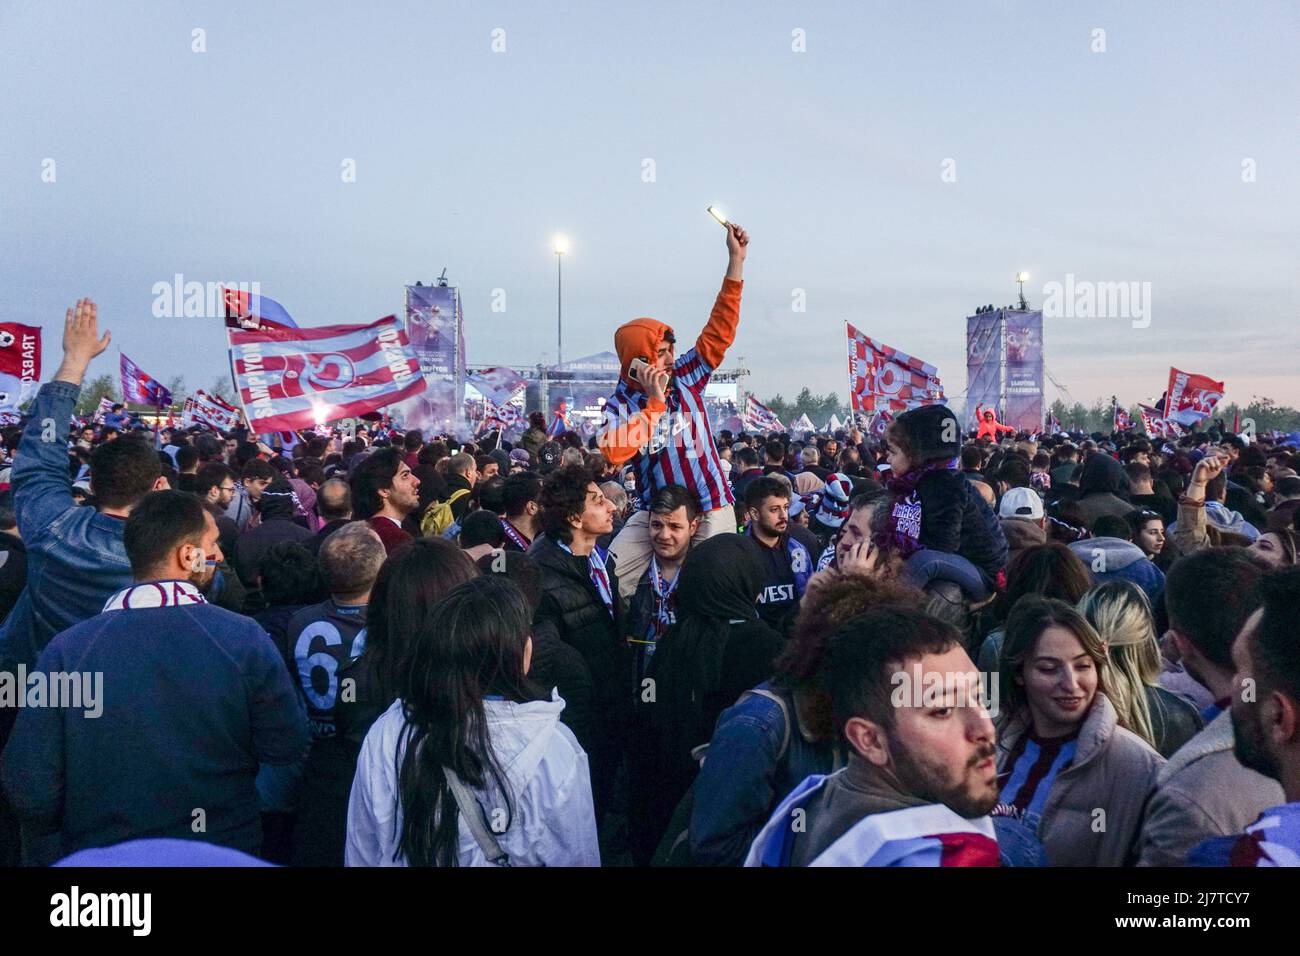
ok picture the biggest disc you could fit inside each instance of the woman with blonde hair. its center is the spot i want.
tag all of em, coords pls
(1121, 614)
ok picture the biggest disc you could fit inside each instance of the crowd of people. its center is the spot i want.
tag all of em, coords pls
(669, 646)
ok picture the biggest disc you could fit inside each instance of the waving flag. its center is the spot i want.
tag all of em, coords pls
(881, 377)
(500, 417)
(295, 378)
(1053, 425)
(140, 387)
(1122, 420)
(105, 406)
(497, 385)
(1156, 425)
(245, 310)
(759, 418)
(1191, 397)
(560, 424)
(204, 409)
(20, 363)
(880, 423)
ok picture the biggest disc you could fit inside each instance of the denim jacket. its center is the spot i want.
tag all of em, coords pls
(742, 782)
(75, 555)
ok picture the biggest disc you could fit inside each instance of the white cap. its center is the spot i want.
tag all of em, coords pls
(1021, 503)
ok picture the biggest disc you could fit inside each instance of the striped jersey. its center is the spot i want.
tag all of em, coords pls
(681, 449)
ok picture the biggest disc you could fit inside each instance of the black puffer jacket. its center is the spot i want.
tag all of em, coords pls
(954, 518)
(571, 602)
(573, 607)
(556, 664)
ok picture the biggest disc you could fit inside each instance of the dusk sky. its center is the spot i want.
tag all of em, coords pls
(1170, 158)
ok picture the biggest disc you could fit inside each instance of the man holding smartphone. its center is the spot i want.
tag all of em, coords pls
(656, 419)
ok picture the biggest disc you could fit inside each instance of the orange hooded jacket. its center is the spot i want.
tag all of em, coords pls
(641, 338)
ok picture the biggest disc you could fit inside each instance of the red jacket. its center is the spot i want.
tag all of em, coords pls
(990, 427)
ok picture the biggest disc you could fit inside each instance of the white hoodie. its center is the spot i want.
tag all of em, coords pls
(554, 821)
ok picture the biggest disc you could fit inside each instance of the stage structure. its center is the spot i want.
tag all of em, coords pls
(1004, 366)
(436, 328)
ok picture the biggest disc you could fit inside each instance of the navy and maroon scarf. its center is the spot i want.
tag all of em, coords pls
(904, 532)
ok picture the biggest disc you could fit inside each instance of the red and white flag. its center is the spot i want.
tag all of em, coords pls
(1191, 397)
(211, 410)
(759, 418)
(1122, 420)
(296, 378)
(882, 377)
(1156, 426)
(20, 363)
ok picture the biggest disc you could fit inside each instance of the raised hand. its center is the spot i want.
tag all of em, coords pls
(737, 247)
(1207, 469)
(81, 341)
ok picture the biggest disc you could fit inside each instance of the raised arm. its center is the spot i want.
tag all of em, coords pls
(720, 331)
(41, 483)
(1192, 534)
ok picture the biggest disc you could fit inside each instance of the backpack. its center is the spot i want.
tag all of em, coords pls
(675, 847)
(437, 519)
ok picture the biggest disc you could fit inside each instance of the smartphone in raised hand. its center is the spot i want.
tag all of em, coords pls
(717, 214)
(638, 370)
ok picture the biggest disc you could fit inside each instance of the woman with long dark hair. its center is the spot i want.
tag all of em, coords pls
(411, 582)
(470, 766)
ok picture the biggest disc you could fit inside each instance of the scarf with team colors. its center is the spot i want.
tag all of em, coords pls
(599, 575)
(929, 835)
(515, 535)
(155, 594)
(1272, 840)
(904, 534)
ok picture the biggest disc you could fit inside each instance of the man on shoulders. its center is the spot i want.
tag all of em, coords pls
(657, 421)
